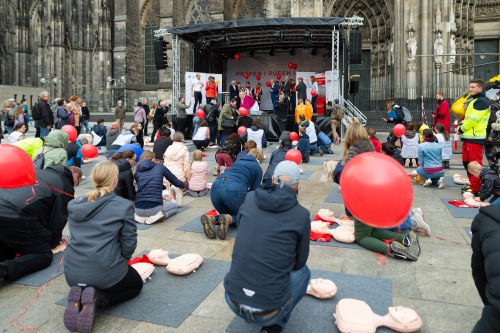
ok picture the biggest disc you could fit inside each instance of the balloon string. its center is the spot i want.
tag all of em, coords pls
(27, 201)
(14, 323)
(58, 190)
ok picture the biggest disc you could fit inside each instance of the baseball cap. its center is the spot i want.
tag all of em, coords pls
(288, 169)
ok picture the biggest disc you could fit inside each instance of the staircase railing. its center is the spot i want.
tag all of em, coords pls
(350, 110)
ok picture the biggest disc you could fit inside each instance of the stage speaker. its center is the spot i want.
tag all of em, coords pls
(353, 87)
(160, 51)
(355, 47)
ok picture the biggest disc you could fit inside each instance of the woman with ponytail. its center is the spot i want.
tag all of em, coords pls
(103, 239)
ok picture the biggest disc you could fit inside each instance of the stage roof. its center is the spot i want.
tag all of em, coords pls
(261, 34)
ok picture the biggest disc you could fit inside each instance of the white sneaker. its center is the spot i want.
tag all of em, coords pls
(441, 183)
(427, 183)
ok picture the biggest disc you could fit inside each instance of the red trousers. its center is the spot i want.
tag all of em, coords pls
(472, 152)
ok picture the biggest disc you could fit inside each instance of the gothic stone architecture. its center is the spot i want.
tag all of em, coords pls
(102, 49)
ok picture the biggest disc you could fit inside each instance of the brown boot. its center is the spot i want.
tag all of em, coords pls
(208, 223)
(224, 222)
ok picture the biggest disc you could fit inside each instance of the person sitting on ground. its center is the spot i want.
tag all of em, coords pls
(227, 153)
(125, 161)
(149, 177)
(245, 121)
(104, 221)
(17, 134)
(485, 271)
(74, 150)
(112, 135)
(162, 143)
(54, 149)
(303, 144)
(431, 161)
(201, 139)
(198, 175)
(126, 137)
(374, 140)
(311, 133)
(277, 157)
(229, 191)
(176, 159)
(256, 134)
(246, 148)
(272, 242)
(409, 149)
(490, 182)
(391, 150)
(32, 219)
(100, 130)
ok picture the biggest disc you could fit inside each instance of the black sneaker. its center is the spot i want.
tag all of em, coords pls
(399, 250)
(411, 241)
(320, 151)
(272, 329)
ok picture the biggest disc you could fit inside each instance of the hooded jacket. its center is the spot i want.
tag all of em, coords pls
(47, 206)
(125, 187)
(490, 184)
(246, 171)
(276, 157)
(430, 157)
(198, 179)
(160, 146)
(149, 177)
(358, 147)
(55, 149)
(176, 159)
(303, 145)
(486, 255)
(103, 239)
(273, 224)
(111, 136)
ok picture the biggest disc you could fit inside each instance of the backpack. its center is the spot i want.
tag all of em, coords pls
(57, 120)
(9, 120)
(36, 113)
(39, 161)
(400, 114)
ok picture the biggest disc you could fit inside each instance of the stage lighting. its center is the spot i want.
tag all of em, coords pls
(314, 52)
(278, 35)
(308, 34)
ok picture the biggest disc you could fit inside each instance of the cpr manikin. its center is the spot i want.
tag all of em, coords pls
(344, 233)
(355, 316)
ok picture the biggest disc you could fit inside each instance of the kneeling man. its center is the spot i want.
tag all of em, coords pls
(268, 275)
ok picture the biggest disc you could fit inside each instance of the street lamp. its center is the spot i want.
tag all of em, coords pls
(53, 83)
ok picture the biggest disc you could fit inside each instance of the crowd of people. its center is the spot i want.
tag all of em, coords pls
(139, 185)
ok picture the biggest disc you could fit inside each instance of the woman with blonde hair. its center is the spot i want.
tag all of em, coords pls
(356, 141)
(198, 175)
(176, 159)
(77, 112)
(19, 115)
(103, 239)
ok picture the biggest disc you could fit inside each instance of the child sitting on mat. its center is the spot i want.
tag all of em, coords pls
(490, 182)
(409, 150)
(198, 175)
(374, 140)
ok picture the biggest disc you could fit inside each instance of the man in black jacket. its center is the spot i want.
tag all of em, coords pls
(485, 269)
(145, 106)
(158, 118)
(268, 274)
(32, 219)
(47, 120)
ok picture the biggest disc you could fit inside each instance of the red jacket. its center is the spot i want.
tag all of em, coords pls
(376, 144)
(211, 89)
(441, 115)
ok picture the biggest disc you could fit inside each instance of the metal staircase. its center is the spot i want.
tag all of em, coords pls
(350, 111)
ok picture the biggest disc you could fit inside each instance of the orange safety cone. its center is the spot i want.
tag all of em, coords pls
(456, 138)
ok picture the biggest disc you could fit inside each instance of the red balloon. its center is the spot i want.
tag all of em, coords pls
(367, 197)
(241, 130)
(294, 136)
(290, 65)
(268, 83)
(71, 131)
(89, 151)
(200, 114)
(237, 56)
(243, 112)
(17, 167)
(245, 75)
(278, 76)
(257, 77)
(399, 130)
(313, 93)
(295, 66)
(294, 155)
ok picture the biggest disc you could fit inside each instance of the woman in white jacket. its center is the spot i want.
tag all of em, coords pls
(176, 159)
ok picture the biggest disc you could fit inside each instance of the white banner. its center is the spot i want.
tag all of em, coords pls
(268, 67)
(332, 85)
(189, 78)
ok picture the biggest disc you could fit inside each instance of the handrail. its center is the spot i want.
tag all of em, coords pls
(352, 111)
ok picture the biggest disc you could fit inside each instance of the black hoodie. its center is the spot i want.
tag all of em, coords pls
(272, 241)
(490, 184)
(125, 187)
(486, 256)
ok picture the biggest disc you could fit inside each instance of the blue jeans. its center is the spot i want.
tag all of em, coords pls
(227, 196)
(86, 125)
(433, 176)
(495, 200)
(298, 286)
(313, 148)
(313, 102)
(196, 124)
(44, 131)
(223, 134)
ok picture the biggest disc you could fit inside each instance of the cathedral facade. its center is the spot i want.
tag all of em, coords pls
(102, 50)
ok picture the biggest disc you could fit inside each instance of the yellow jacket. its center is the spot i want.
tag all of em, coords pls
(305, 110)
(473, 127)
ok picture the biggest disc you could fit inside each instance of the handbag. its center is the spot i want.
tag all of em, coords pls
(97, 139)
(227, 123)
